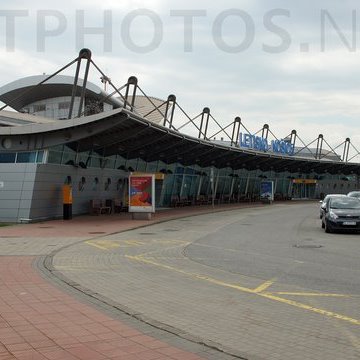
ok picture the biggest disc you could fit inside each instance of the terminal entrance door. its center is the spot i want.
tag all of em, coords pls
(303, 189)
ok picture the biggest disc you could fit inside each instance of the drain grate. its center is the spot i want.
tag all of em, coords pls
(46, 227)
(308, 246)
(97, 232)
(147, 233)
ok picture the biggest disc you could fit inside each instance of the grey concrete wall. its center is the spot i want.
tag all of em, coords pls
(16, 191)
(47, 195)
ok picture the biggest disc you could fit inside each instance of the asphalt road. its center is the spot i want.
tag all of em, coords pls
(262, 283)
(286, 244)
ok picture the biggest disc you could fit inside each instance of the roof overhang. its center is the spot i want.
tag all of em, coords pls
(124, 133)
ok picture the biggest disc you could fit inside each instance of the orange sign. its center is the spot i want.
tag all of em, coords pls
(304, 181)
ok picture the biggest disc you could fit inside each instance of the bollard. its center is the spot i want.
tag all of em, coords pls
(67, 202)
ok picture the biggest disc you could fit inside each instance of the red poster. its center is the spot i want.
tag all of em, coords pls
(142, 193)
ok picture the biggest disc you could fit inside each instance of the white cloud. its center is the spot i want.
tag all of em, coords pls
(312, 92)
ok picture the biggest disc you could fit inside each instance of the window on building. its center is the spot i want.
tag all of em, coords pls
(64, 105)
(40, 157)
(26, 157)
(39, 107)
(7, 157)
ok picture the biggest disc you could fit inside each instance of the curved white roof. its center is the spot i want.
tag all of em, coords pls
(24, 91)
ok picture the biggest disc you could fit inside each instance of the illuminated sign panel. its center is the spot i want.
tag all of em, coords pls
(259, 143)
(142, 193)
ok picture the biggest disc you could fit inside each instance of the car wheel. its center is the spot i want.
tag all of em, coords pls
(327, 227)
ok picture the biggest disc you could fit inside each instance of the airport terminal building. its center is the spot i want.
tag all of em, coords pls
(66, 130)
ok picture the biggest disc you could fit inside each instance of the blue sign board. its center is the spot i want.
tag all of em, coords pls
(267, 190)
(261, 144)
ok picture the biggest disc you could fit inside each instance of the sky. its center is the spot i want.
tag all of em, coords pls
(290, 64)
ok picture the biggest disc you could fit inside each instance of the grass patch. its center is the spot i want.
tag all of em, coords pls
(2, 224)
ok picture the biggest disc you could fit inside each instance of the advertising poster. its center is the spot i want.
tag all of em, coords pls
(142, 193)
(267, 190)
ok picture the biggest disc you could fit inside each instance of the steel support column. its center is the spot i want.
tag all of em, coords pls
(319, 146)
(236, 132)
(131, 81)
(170, 104)
(204, 118)
(346, 150)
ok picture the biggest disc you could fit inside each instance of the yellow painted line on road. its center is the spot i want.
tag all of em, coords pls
(134, 242)
(327, 313)
(102, 244)
(194, 275)
(308, 294)
(92, 243)
(264, 286)
(255, 291)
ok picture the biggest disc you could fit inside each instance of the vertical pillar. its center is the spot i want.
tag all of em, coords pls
(67, 202)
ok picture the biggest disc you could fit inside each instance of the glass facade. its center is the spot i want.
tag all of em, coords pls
(22, 157)
(193, 182)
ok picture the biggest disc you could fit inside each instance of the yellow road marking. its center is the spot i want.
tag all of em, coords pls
(264, 286)
(194, 275)
(134, 242)
(311, 308)
(307, 294)
(96, 245)
(103, 244)
(255, 291)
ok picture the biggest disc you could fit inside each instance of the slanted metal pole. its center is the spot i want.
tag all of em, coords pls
(74, 88)
(319, 146)
(265, 131)
(84, 54)
(293, 138)
(236, 130)
(207, 112)
(172, 99)
(131, 81)
(346, 150)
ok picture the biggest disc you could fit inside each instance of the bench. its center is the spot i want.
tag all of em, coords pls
(98, 207)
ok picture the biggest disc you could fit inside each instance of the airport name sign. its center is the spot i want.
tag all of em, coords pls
(261, 144)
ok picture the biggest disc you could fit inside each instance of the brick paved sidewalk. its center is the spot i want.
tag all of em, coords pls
(39, 321)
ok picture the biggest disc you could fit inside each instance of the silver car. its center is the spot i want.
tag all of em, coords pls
(354, 194)
(325, 201)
